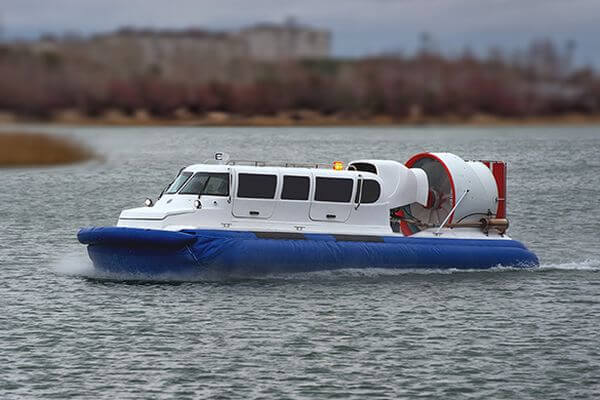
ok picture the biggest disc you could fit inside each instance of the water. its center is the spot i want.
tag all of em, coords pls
(345, 334)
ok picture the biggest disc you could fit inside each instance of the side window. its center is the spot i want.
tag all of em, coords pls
(295, 188)
(370, 192)
(217, 185)
(334, 189)
(256, 186)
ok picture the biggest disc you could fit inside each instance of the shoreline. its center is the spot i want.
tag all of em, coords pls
(307, 119)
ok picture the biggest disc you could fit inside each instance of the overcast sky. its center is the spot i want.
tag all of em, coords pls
(359, 26)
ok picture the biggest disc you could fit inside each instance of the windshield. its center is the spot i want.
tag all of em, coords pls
(178, 182)
(212, 184)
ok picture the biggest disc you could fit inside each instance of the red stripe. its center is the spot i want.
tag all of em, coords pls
(499, 172)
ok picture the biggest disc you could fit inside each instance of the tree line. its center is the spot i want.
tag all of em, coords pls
(539, 81)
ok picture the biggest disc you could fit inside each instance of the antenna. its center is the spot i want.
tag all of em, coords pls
(221, 158)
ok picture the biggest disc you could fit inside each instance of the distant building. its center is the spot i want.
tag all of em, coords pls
(267, 42)
(287, 41)
(185, 55)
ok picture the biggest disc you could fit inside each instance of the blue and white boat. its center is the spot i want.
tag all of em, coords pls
(244, 218)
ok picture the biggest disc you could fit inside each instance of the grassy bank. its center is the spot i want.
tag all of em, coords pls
(31, 149)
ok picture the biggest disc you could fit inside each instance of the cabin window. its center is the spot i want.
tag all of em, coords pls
(370, 192)
(366, 167)
(295, 188)
(212, 184)
(178, 182)
(334, 189)
(256, 186)
(217, 185)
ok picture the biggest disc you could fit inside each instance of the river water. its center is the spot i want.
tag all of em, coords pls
(346, 334)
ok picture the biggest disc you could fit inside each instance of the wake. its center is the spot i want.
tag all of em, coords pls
(585, 265)
(79, 265)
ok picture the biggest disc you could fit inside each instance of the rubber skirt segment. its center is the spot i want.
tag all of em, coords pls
(128, 250)
(134, 237)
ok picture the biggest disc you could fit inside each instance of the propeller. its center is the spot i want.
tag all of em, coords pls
(441, 198)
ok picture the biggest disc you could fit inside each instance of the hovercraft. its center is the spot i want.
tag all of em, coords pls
(239, 218)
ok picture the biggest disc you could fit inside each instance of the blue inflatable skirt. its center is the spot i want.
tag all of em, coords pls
(227, 253)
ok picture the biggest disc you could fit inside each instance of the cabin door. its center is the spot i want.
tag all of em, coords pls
(332, 199)
(254, 194)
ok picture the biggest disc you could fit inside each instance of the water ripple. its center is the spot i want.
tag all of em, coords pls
(67, 331)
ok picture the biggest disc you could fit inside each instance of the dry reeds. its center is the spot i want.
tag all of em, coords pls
(69, 83)
(32, 149)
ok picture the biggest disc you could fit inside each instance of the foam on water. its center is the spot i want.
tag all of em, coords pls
(585, 265)
(74, 264)
(79, 265)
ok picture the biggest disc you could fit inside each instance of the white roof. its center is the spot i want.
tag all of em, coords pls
(276, 169)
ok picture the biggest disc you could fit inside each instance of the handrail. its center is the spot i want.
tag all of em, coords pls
(361, 181)
(437, 233)
(230, 185)
(259, 163)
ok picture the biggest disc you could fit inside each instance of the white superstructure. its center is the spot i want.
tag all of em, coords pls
(368, 197)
